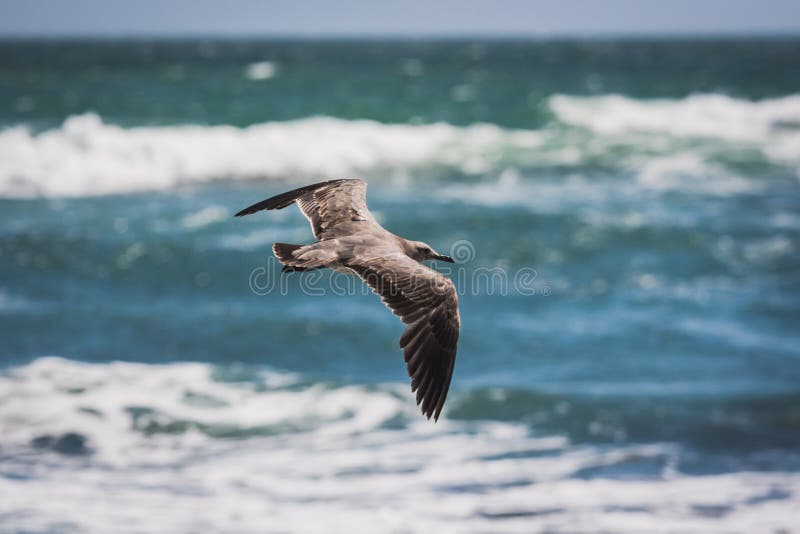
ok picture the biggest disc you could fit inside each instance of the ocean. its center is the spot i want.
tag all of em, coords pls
(625, 219)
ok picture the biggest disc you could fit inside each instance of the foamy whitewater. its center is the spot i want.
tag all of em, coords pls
(202, 451)
(159, 374)
(659, 140)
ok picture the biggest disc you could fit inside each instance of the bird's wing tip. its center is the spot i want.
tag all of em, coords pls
(432, 414)
(246, 211)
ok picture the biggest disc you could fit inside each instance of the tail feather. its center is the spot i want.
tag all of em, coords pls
(303, 257)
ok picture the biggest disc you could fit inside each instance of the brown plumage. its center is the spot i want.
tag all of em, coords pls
(350, 240)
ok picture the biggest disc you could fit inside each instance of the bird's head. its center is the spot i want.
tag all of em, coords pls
(420, 251)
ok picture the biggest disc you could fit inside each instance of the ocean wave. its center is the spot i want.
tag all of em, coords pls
(87, 156)
(218, 448)
(262, 70)
(663, 144)
(119, 404)
(701, 115)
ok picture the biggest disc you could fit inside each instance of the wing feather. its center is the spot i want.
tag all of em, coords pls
(427, 302)
(329, 206)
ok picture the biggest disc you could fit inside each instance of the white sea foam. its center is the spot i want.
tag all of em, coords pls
(204, 217)
(88, 156)
(262, 70)
(687, 171)
(701, 115)
(653, 139)
(321, 458)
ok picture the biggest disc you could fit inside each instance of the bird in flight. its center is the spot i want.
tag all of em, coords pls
(350, 240)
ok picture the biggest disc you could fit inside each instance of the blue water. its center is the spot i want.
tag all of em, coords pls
(645, 378)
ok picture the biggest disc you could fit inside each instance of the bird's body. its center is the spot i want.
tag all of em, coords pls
(352, 241)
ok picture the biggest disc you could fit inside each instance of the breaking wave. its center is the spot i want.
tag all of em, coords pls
(702, 115)
(243, 448)
(661, 143)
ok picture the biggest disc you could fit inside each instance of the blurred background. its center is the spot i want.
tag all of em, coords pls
(642, 157)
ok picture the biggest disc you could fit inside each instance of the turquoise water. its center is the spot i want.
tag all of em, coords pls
(646, 378)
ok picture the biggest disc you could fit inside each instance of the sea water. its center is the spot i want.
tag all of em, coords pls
(626, 220)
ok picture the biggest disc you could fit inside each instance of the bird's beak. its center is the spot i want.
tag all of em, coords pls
(442, 257)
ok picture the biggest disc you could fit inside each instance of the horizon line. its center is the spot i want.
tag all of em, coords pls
(424, 36)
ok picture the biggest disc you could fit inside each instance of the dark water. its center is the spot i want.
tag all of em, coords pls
(631, 363)
(504, 83)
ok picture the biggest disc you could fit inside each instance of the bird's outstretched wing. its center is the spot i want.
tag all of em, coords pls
(330, 206)
(427, 302)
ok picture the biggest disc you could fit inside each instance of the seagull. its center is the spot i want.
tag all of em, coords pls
(350, 240)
